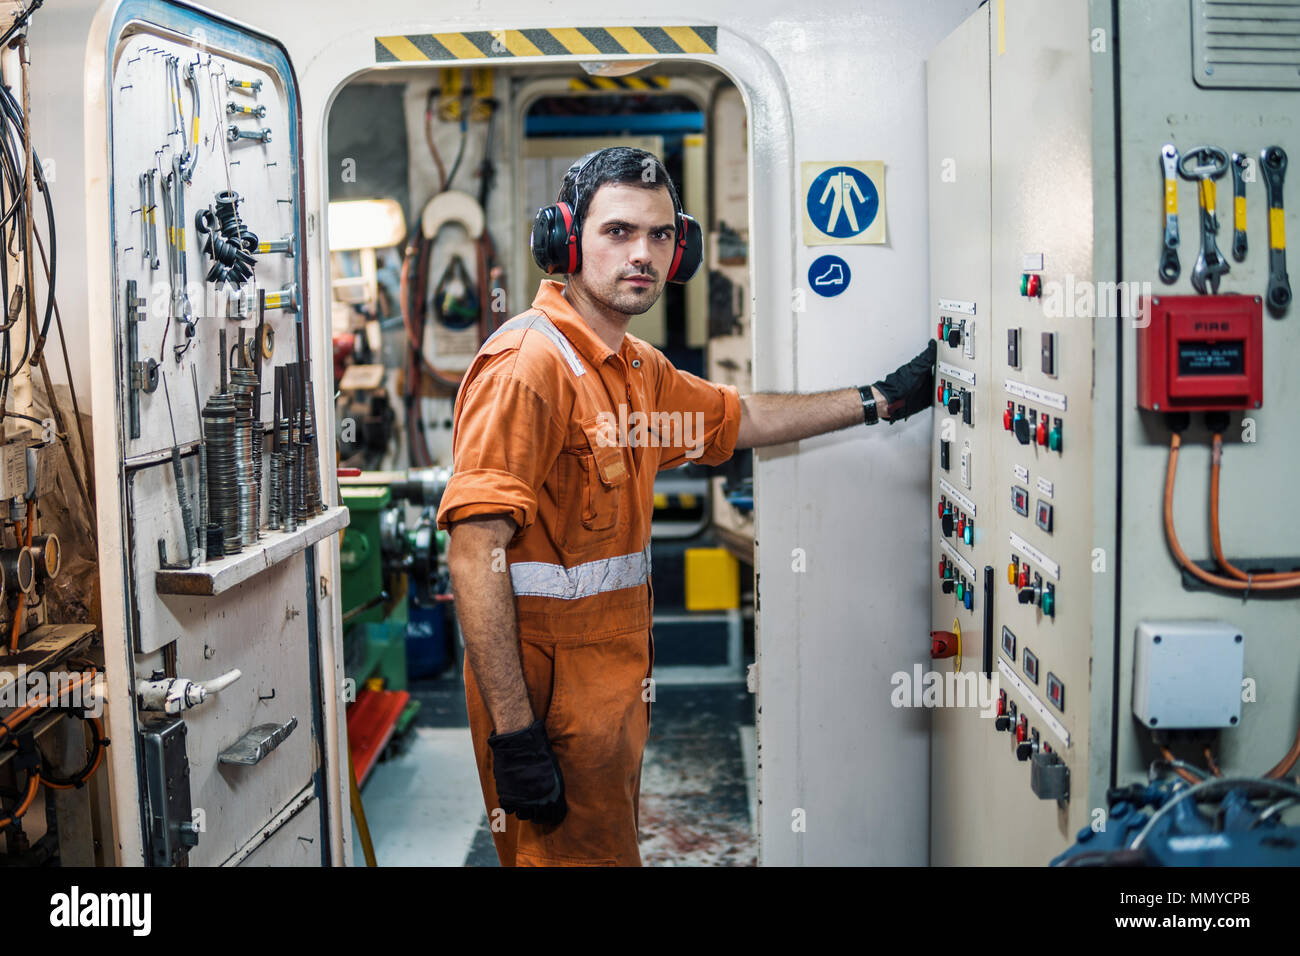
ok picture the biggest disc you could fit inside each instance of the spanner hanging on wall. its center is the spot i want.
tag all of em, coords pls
(1239, 165)
(1272, 161)
(1210, 264)
(1169, 265)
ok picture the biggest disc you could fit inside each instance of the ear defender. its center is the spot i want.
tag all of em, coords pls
(688, 249)
(556, 242)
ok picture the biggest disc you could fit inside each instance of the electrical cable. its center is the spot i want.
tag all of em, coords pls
(1185, 770)
(76, 780)
(1210, 762)
(428, 138)
(1215, 580)
(1216, 463)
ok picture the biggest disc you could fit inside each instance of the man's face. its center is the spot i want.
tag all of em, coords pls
(627, 246)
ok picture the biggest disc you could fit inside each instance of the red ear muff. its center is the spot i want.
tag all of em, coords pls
(688, 249)
(555, 243)
(572, 240)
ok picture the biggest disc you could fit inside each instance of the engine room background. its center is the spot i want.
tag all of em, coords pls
(826, 645)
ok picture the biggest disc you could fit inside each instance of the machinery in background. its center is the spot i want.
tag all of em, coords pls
(1214, 822)
(53, 740)
(1139, 695)
(395, 591)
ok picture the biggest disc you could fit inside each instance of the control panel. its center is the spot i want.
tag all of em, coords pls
(1077, 358)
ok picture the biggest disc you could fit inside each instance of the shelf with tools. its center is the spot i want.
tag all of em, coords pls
(220, 575)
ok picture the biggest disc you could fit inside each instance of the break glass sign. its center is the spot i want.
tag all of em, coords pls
(1212, 358)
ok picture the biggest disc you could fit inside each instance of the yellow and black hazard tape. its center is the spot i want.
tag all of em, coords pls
(559, 41)
(607, 83)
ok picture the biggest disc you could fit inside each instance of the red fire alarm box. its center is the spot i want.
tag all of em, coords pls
(1200, 353)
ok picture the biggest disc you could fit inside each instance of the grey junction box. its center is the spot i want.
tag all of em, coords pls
(1187, 674)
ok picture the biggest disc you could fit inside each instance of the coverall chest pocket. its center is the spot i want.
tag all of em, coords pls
(594, 478)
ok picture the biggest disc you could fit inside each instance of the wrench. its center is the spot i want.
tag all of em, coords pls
(1210, 264)
(234, 134)
(1239, 166)
(1169, 265)
(152, 207)
(234, 108)
(1272, 160)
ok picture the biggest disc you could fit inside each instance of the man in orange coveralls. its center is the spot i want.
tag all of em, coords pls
(550, 503)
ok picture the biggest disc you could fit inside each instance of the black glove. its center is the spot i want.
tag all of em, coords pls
(910, 388)
(529, 782)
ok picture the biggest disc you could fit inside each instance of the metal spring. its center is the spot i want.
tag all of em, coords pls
(245, 382)
(248, 492)
(290, 482)
(274, 506)
(313, 495)
(219, 433)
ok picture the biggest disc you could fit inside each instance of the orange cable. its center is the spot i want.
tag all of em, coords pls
(1180, 556)
(1216, 457)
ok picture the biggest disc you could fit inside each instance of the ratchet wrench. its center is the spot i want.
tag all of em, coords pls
(1239, 165)
(1272, 160)
(1169, 265)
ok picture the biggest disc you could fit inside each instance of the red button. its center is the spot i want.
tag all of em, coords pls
(1042, 431)
(942, 504)
(1022, 729)
(1035, 286)
(938, 392)
(1006, 418)
(940, 335)
(1024, 575)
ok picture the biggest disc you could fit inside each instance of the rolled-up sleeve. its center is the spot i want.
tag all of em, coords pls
(714, 416)
(505, 442)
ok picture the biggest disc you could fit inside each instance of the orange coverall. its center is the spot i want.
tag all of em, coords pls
(546, 431)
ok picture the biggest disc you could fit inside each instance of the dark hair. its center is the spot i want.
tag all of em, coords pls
(618, 164)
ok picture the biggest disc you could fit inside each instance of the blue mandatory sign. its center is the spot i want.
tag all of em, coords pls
(829, 275)
(842, 202)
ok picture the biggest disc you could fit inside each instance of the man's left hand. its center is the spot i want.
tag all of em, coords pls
(910, 388)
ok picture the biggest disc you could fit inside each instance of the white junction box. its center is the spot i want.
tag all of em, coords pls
(1187, 674)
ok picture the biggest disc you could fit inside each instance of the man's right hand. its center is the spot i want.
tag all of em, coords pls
(528, 778)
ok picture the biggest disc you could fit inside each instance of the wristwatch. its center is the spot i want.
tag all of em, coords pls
(869, 412)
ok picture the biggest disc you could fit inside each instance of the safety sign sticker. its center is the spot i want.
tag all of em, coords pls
(829, 275)
(843, 203)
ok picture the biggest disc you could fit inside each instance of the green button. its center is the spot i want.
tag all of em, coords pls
(1054, 440)
(969, 535)
(1024, 284)
(961, 590)
(1049, 603)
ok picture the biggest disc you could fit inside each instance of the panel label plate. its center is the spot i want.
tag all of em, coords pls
(957, 305)
(1036, 556)
(1039, 396)
(958, 560)
(960, 374)
(1055, 726)
(966, 504)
